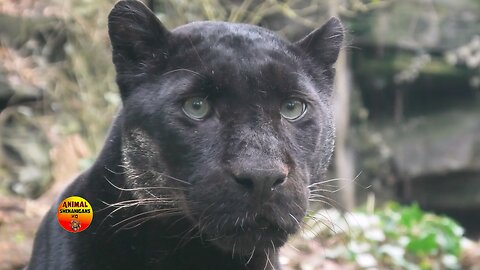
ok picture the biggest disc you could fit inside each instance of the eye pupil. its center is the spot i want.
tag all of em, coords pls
(290, 106)
(197, 104)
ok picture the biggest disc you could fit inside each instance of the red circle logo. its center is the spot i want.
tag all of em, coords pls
(74, 214)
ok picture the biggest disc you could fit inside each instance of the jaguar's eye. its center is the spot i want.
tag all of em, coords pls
(196, 108)
(293, 109)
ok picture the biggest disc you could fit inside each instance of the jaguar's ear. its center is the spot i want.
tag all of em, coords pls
(138, 38)
(323, 44)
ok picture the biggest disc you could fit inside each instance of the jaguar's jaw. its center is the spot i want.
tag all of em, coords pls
(243, 243)
(241, 235)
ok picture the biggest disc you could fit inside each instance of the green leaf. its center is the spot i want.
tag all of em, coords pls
(423, 245)
(411, 215)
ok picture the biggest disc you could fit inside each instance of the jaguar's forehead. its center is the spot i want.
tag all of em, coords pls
(238, 57)
(223, 31)
(231, 42)
(234, 86)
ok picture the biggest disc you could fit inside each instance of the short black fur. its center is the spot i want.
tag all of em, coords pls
(221, 192)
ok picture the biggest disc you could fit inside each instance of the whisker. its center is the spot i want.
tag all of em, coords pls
(335, 179)
(142, 220)
(112, 171)
(132, 204)
(251, 255)
(160, 174)
(322, 220)
(233, 249)
(183, 69)
(267, 254)
(174, 178)
(325, 202)
(144, 213)
(185, 238)
(296, 220)
(273, 246)
(156, 199)
(142, 188)
(316, 196)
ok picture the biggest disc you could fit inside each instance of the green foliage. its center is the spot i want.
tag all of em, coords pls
(393, 237)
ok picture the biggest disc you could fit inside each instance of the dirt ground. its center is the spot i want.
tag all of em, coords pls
(17, 228)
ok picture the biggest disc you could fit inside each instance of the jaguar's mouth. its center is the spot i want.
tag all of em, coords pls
(244, 236)
(245, 242)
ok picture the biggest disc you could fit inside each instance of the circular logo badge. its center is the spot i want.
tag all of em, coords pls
(75, 214)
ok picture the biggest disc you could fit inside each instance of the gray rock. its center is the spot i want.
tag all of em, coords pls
(439, 144)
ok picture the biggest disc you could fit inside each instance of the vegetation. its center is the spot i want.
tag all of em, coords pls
(392, 237)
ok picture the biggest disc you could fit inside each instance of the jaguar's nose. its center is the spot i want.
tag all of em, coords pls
(260, 182)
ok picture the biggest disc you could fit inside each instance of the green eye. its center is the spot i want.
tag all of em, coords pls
(293, 109)
(196, 108)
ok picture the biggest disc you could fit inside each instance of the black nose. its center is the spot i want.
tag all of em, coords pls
(260, 182)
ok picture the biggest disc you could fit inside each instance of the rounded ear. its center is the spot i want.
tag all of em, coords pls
(323, 44)
(138, 38)
(135, 32)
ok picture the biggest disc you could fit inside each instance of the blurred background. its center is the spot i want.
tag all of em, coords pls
(407, 108)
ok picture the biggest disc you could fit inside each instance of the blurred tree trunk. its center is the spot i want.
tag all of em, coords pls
(344, 161)
(398, 105)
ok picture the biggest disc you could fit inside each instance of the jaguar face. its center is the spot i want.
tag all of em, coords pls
(227, 123)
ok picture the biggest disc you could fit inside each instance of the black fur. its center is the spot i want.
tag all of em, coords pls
(170, 192)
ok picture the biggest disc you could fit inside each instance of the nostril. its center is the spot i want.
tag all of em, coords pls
(246, 182)
(278, 182)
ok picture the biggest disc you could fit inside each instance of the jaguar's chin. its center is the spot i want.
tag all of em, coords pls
(242, 237)
(244, 243)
